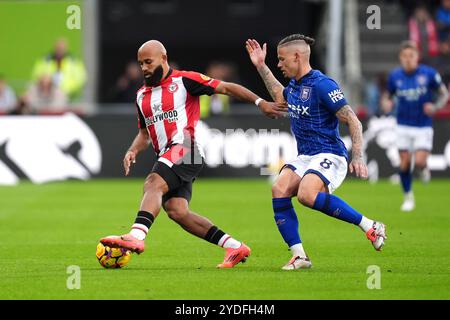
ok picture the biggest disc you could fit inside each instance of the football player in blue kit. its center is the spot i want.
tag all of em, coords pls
(414, 87)
(316, 106)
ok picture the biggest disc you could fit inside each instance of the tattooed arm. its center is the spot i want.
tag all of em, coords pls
(274, 87)
(257, 56)
(357, 165)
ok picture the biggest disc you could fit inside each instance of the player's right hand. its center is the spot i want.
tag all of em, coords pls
(273, 110)
(130, 157)
(256, 53)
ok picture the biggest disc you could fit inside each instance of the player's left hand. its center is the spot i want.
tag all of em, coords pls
(359, 167)
(273, 110)
(429, 109)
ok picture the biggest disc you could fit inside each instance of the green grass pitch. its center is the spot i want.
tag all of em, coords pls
(44, 229)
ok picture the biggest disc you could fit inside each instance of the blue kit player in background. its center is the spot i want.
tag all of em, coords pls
(316, 105)
(414, 87)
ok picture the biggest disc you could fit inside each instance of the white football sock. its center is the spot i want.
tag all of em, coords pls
(228, 242)
(137, 231)
(408, 196)
(297, 250)
(366, 224)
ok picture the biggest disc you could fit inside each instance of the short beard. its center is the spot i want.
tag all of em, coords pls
(156, 77)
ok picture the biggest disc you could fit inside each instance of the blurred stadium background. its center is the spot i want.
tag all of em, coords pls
(67, 112)
(101, 77)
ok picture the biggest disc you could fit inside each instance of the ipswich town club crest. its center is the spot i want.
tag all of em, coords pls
(422, 80)
(172, 87)
(306, 93)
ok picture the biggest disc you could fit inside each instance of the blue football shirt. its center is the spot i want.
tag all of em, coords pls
(313, 101)
(412, 91)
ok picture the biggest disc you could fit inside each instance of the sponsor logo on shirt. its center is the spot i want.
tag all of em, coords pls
(411, 94)
(336, 95)
(298, 110)
(206, 78)
(170, 116)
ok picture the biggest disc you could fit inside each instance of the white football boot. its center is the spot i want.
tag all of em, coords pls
(298, 263)
(377, 235)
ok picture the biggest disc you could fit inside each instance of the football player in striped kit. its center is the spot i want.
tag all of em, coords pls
(168, 113)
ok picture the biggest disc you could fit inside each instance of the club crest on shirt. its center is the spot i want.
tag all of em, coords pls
(306, 93)
(172, 87)
(421, 80)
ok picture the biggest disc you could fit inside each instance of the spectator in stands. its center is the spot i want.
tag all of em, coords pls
(67, 72)
(8, 99)
(128, 84)
(443, 23)
(217, 103)
(423, 31)
(45, 97)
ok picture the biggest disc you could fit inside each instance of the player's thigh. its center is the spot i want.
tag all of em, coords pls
(176, 202)
(330, 168)
(404, 138)
(286, 184)
(310, 186)
(423, 143)
(155, 183)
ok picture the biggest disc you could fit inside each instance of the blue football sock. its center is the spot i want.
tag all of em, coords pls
(286, 220)
(335, 207)
(406, 179)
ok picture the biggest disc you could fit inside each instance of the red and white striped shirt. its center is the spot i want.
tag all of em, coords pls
(171, 110)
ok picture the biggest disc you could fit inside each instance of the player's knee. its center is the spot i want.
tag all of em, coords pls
(152, 185)
(306, 198)
(280, 191)
(405, 165)
(177, 213)
(420, 164)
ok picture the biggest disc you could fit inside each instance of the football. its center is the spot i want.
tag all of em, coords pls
(112, 258)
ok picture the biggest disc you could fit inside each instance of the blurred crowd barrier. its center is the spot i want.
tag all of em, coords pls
(60, 147)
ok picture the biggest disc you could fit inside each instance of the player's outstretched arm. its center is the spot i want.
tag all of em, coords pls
(140, 143)
(258, 56)
(270, 109)
(347, 116)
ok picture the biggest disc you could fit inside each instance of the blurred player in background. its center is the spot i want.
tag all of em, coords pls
(316, 105)
(168, 112)
(414, 86)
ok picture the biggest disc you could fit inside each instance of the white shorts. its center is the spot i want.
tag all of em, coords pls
(332, 169)
(411, 138)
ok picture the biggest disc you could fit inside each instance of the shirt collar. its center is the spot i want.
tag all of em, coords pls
(305, 76)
